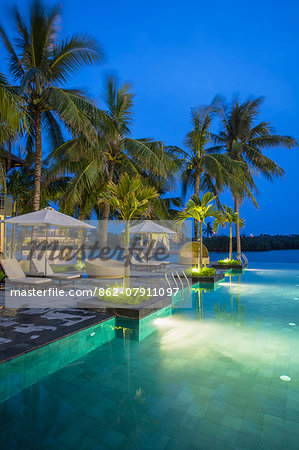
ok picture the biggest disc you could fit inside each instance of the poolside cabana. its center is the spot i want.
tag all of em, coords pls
(153, 231)
(46, 217)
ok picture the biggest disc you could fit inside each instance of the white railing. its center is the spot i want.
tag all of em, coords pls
(174, 274)
(243, 256)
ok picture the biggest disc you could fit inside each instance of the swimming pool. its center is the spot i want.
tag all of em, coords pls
(209, 377)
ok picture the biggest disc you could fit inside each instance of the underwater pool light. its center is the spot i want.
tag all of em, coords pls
(163, 321)
(292, 324)
(157, 321)
(92, 334)
(285, 378)
(296, 298)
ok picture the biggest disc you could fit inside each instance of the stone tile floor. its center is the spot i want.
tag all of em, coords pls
(151, 396)
(42, 320)
(23, 330)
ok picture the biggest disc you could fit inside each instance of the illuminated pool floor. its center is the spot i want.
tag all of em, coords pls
(209, 378)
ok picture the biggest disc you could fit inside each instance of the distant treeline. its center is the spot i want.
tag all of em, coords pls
(255, 243)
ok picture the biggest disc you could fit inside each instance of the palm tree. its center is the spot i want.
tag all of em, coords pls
(228, 215)
(244, 139)
(131, 200)
(40, 63)
(20, 186)
(123, 152)
(205, 168)
(114, 152)
(11, 110)
(12, 120)
(208, 231)
(199, 210)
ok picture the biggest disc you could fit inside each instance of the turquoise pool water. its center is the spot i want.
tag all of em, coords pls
(209, 377)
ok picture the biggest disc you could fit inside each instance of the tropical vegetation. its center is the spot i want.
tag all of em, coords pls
(200, 210)
(204, 167)
(244, 139)
(263, 242)
(131, 201)
(93, 159)
(229, 262)
(204, 272)
(228, 216)
(40, 63)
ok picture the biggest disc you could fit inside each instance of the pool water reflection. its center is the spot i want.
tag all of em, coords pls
(209, 377)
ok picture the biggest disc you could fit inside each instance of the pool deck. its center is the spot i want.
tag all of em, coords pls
(26, 327)
(24, 330)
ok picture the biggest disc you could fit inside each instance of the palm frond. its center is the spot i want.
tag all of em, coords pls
(69, 55)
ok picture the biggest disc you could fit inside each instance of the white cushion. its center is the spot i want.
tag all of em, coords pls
(41, 264)
(12, 268)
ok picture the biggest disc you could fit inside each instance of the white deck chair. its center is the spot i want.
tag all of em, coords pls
(42, 266)
(148, 265)
(16, 275)
(161, 263)
(99, 268)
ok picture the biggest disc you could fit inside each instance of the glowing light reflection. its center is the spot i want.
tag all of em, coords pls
(285, 378)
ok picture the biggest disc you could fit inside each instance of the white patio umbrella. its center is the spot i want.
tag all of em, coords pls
(47, 217)
(150, 228)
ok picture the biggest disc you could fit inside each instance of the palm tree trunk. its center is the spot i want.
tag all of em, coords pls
(200, 245)
(106, 209)
(14, 208)
(230, 242)
(80, 240)
(196, 192)
(238, 237)
(9, 156)
(38, 160)
(127, 255)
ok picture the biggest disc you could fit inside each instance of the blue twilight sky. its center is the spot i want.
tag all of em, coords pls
(178, 55)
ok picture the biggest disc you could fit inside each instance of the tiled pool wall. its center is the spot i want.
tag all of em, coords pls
(138, 329)
(25, 370)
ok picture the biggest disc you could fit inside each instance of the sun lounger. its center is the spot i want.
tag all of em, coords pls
(147, 265)
(16, 275)
(43, 268)
(144, 259)
(100, 268)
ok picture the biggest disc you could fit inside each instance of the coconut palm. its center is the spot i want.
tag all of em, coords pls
(205, 168)
(244, 138)
(131, 200)
(228, 215)
(208, 231)
(113, 153)
(12, 120)
(20, 187)
(12, 115)
(199, 210)
(41, 64)
(123, 152)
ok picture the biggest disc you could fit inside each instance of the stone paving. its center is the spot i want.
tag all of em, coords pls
(23, 330)
(26, 324)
